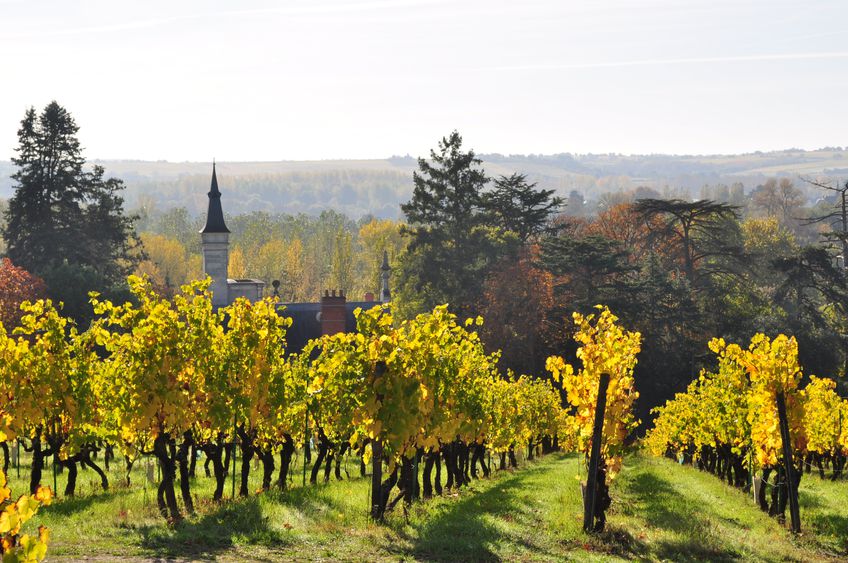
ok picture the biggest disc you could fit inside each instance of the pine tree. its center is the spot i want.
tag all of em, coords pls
(519, 206)
(38, 226)
(452, 243)
(588, 270)
(65, 223)
(448, 193)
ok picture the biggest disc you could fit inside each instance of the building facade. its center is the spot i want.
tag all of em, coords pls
(333, 314)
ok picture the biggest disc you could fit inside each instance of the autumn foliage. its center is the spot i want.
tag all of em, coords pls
(516, 296)
(16, 286)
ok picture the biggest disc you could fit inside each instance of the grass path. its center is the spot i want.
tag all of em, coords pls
(661, 511)
(667, 511)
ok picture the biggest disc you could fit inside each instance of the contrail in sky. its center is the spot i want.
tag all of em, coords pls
(304, 10)
(681, 61)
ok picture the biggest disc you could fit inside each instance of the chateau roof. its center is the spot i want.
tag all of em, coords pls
(306, 321)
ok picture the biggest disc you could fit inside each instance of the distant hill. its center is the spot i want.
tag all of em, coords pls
(378, 187)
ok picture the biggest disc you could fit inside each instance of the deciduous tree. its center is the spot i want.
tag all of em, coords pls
(702, 234)
(16, 286)
(516, 301)
(376, 236)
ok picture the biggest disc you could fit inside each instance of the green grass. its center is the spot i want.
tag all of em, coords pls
(667, 511)
(660, 511)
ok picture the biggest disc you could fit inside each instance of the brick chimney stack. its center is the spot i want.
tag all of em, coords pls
(333, 312)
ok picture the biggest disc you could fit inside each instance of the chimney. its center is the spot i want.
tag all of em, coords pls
(369, 297)
(333, 313)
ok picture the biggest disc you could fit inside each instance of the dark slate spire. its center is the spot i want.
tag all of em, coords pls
(215, 215)
(385, 292)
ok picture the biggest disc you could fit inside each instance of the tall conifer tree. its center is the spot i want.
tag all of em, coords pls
(65, 223)
(452, 243)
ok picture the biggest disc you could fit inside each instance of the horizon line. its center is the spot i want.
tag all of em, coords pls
(838, 148)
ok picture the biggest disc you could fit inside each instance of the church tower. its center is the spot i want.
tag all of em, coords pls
(215, 240)
(385, 292)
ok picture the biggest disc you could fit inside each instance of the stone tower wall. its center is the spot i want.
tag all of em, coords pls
(216, 262)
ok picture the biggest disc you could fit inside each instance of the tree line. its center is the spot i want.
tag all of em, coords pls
(732, 263)
(678, 271)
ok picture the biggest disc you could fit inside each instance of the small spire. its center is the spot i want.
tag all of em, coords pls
(385, 292)
(215, 214)
(213, 190)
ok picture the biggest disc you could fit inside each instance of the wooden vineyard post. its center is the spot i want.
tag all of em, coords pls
(376, 479)
(305, 441)
(377, 459)
(794, 514)
(415, 492)
(148, 476)
(233, 495)
(595, 456)
(751, 471)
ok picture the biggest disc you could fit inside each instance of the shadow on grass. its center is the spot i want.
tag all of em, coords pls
(686, 551)
(65, 506)
(313, 500)
(243, 522)
(212, 533)
(832, 525)
(662, 504)
(464, 530)
(666, 508)
(808, 499)
(619, 542)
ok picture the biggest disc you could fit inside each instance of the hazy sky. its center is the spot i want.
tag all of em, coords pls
(312, 79)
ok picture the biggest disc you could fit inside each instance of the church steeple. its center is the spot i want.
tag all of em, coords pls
(215, 243)
(215, 214)
(385, 292)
